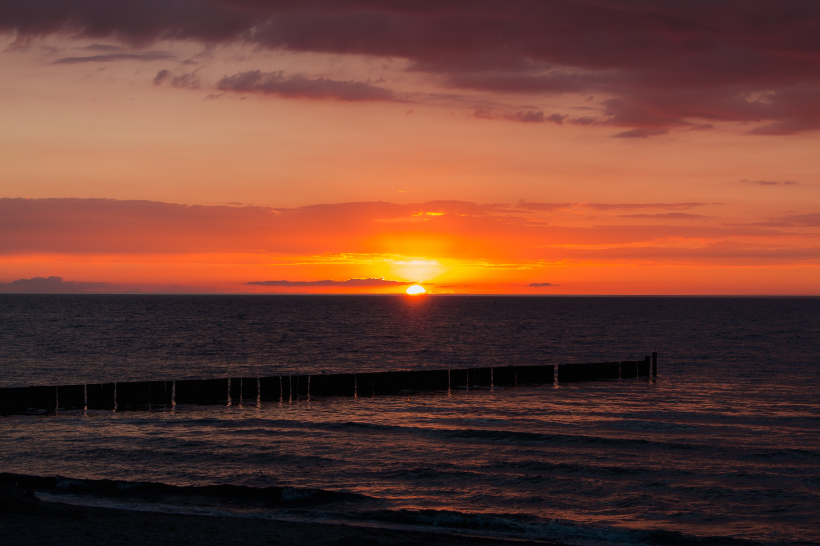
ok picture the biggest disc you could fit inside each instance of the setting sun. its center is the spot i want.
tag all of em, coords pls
(416, 290)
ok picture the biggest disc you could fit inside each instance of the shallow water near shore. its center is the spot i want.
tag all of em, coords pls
(723, 443)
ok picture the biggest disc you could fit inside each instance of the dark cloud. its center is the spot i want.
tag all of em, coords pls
(528, 116)
(531, 116)
(161, 76)
(541, 284)
(350, 283)
(804, 219)
(546, 207)
(666, 216)
(641, 133)
(702, 127)
(549, 207)
(53, 285)
(584, 120)
(663, 64)
(186, 79)
(769, 182)
(761, 224)
(113, 57)
(634, 206)
(103, 47)
(275, 83)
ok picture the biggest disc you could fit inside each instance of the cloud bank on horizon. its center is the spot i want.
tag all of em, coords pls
(495, 233)
(653, 66)
(349, 283)
(55, 285)
(493, 247)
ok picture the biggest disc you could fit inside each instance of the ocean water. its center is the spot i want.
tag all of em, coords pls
(721, 448)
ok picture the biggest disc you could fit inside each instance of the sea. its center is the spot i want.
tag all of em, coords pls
(722, 447)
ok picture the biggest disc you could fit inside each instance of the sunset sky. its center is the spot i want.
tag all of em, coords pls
(529, 147)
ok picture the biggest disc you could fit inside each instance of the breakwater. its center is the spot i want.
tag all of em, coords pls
(156, 394)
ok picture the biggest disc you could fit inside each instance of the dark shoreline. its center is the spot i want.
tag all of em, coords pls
(27, 521)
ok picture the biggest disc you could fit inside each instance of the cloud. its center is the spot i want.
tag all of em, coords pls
(776, 224)
(641, 133)
(546, 207)
(805, 219)
(662, 65)
(103, 47)
(666, 216)
(714, 253)
(549, 207)
(187, 79)
(275, 83)
(161, 76)
(585, 120)
(529, 116)
(787, 127)
(541, 284)
(53, 285)
(483, 234)
(634, 206)
(350, 283)
(769, 182)
(112, 57)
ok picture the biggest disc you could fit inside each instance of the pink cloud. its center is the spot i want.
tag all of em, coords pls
(664, 64)
(349, 283)
(439, 229)
(275, 83)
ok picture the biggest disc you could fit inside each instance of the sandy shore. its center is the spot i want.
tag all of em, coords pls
(28, 521)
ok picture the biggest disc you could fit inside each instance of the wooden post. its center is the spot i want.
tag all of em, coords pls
(644, 367)
(654, 364)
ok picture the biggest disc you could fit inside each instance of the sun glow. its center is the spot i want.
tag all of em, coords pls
(416, 290)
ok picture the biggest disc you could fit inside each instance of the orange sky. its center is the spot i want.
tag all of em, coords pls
(199, 156)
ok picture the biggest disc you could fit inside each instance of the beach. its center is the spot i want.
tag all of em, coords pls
(25, 520)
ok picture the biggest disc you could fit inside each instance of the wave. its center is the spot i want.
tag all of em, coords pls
(554, 439)
(323, 505)
(529, 465)
(156, 492)
(510, 437)
(485, 435)
(530, 527)
(785, 454)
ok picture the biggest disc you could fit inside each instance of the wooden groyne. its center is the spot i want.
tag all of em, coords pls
(156, 394)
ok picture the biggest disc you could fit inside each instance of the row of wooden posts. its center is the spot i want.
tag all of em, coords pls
(148, 394)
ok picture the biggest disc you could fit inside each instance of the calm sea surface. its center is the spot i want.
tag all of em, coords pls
(723, 443)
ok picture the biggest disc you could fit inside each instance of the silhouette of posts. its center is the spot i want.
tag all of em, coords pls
(147, 394)
(629, 369)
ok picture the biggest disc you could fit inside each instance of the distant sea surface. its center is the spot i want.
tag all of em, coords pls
(723, 447)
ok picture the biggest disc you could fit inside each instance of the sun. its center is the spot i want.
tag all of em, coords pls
(416, 290)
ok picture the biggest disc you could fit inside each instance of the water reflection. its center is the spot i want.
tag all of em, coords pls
(703, 458)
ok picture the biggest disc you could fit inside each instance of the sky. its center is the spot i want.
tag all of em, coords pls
(518, 147)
